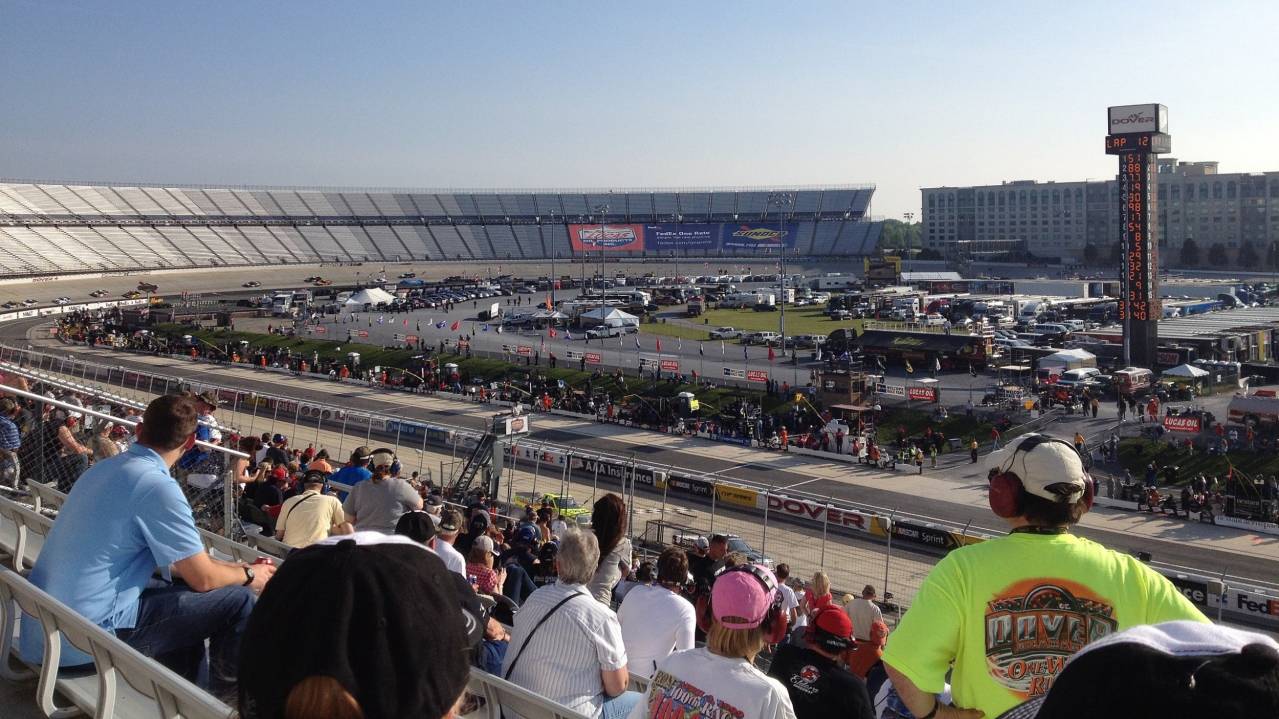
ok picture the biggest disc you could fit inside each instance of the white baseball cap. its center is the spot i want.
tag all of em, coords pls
(1043, 462)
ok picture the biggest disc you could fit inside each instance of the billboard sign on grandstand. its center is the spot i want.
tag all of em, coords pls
(606, 238)
(672, 236)
(757, 236)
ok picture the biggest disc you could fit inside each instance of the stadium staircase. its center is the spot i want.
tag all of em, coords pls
(480, 459)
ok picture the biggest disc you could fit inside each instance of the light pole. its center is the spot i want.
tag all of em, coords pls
(909, 216)
(602, 209)
(553, 253)
(782, 200)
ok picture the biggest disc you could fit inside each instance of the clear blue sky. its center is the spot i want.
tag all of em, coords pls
(571, 94)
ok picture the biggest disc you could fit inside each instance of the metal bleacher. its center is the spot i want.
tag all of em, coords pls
(51, 227)
(123, 682)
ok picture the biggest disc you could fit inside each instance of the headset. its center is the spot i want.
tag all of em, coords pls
(769, 583)
(1007, 495)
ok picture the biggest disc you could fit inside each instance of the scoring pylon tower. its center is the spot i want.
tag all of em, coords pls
(1137, 133)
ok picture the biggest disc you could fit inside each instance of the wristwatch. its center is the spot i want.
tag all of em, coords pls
(249, 576)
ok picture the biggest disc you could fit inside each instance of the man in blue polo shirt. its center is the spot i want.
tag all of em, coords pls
(125, 522)
(356, 471)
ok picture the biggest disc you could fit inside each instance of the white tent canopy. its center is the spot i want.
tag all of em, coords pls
(608, 317)
(370, 296)
(1185, 370)
(1069, 359)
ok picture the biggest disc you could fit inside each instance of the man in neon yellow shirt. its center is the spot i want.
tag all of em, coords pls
(1007, 613)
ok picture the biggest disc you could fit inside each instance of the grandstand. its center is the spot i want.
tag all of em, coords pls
(65, 228)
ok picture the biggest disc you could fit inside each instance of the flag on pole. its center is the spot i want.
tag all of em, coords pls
(746, 355)
(937, 364)
(771, 356)
(679, 344)
(406, 321)
(701, 351)
(721, 348)
(567, 335)
(457, 324)
(441, 324)
(659, 345)
(551, 331)
(543, 345)
(484, 327)
(972, 370)
(819, 353)
(909, 369)
(548, 303)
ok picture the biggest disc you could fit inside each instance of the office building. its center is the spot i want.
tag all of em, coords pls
(1059, 219)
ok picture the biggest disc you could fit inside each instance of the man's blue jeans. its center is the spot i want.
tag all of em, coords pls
(174, 621)
(620, 706)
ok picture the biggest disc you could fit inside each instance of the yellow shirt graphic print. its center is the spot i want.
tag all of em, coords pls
(1033, 626)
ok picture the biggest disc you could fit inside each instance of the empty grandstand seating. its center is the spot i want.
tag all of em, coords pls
(51, 228)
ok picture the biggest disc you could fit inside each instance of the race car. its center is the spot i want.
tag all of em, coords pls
(564, 504)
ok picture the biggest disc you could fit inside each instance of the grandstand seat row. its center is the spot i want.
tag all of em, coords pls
(67, 228)
(125, 683)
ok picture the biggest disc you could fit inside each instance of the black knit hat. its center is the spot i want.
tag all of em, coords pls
(1174, 669)
(379, 614)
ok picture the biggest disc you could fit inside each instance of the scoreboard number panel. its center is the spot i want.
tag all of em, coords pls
(1137, 133)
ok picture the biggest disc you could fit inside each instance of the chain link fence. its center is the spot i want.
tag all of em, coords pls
(65, 427)
(853, 545)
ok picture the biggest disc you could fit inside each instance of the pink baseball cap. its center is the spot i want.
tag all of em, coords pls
(741, 596)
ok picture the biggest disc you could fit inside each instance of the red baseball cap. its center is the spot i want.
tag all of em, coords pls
(280, 473)
(834, 621)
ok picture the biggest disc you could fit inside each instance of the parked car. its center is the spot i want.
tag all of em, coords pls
(735, 544)
(1073, 377)
(9, 305)
(725, 333)
(601, 332)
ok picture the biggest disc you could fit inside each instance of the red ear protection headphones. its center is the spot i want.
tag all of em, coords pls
(1007, 495)
(770, 587)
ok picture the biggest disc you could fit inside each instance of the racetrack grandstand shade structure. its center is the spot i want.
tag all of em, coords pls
(51, 227)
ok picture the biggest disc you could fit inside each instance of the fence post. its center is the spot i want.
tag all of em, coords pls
(275, 412)
(825, 527)
(537, 467)
(595, 482)
(568, 461)
(342, 438)
(228, 500)
(763, 540)
(714, 496)
(630, 520)
(421, 454)
(888, 552)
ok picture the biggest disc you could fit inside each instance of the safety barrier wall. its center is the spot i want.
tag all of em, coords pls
(891, 549)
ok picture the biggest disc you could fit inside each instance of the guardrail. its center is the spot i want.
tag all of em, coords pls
(729, 501)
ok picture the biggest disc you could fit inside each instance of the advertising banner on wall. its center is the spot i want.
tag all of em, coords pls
(1183, 423)
(609, 238)
(758, 235)
(672, 236)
